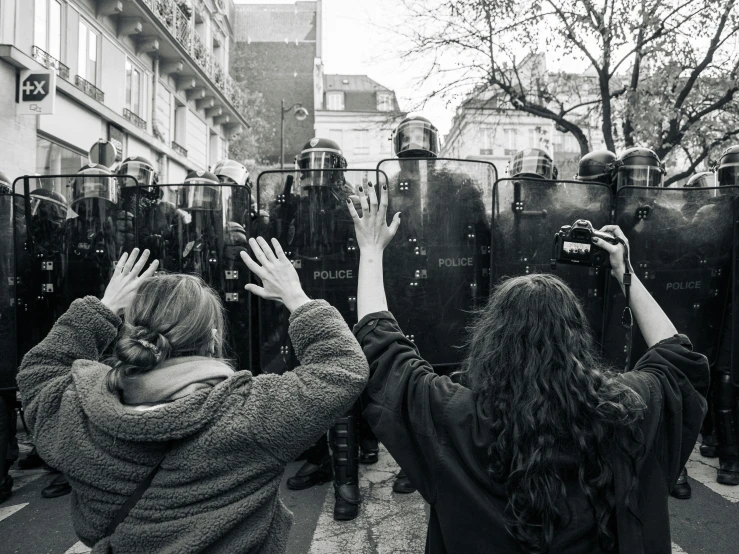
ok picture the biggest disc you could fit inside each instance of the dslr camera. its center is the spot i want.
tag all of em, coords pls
(573, 245)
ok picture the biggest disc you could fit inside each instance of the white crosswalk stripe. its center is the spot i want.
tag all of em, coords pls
(79, 548)
(7, 511)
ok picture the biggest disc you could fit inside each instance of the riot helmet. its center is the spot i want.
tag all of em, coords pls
(596, 167)
(318, 154)
(140, 169)
(533, 162)
(203, 191)
(94, 181)
(704, 179)
(49, 205)
(416, 137)
(5, 182)
(727, 171)
(232, 172)
(639, 167)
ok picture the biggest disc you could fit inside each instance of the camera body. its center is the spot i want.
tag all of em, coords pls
(573, 244)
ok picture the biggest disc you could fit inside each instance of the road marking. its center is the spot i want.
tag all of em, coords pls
(387, 522)
(677, 550)
(704, 470)
(21, 478)
(8, 511)
(79, 548)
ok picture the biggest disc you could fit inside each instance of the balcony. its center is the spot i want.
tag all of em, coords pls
(180, 26)
(133, 118)
(50, 62)
(181, 150)
(89, 89)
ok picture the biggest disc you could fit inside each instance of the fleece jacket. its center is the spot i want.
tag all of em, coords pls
(217, 488)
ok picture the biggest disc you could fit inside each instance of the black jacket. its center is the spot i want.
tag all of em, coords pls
(436, 431)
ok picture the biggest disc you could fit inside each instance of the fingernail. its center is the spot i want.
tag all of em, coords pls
(400, 215)
(348, 201)
(595, 239)
(369, 184)
(360, 189)
(384, 187)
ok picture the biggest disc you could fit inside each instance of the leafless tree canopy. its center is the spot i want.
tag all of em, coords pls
(657, 73)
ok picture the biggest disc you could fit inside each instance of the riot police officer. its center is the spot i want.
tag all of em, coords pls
(639, 167)
(316, 225)
(723, 438)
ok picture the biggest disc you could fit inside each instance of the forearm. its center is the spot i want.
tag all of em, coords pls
(371, 287)
(654, 324)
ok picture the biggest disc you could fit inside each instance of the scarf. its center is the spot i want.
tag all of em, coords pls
(174, 378)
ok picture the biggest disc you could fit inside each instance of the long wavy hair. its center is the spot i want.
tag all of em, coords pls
(533, 363)
(172, 315)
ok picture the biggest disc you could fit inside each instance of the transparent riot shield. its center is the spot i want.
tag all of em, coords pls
(8, 336)
(437, 266)
(682, 244)
(528, 213)
(200, 230)
(66, 246)
(307, 212)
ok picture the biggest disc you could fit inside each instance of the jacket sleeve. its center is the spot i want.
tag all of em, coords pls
(404, 401)
(673, 381)
(82, 333)
(293, 409)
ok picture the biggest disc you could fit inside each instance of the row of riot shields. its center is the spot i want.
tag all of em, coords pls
(682, 246)
(61, 237)
(436, 269)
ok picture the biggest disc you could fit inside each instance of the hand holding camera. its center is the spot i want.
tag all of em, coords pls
(617, 250)
(581, 244)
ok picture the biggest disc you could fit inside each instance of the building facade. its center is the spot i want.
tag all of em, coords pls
(279, 46)
(149, 75)
(359, 114)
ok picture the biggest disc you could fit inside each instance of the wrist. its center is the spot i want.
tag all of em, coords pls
(371, 253)
(110, 305)
(294, 301)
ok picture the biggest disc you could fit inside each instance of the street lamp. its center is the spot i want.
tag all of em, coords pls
(300, 114)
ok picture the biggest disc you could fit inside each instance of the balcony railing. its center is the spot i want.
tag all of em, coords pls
(181, 150)
(181, 27)
(133, 118)
(50, 62)
(89, 89)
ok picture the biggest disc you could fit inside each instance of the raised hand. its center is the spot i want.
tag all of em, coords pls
(373, 232)
(279, 279)
(126, 280)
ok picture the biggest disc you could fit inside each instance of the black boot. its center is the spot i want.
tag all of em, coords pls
(709, 447)
(402, 484)
(59, 486)
(345, 455)
(32, 461)
(310, 475)
(682, 489)
(6, 488)
(728, 473)
(369, 450)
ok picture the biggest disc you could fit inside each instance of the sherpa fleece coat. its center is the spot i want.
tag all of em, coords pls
(217, 489)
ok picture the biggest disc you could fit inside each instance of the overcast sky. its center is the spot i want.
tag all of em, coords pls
(355, 42)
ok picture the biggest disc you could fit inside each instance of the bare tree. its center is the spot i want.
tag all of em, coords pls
(661, 73)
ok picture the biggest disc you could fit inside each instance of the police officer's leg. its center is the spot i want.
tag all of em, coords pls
(345, 454)
(368, 445)
(709, 442)
(6, 481)
(728, 430)
(317, 467)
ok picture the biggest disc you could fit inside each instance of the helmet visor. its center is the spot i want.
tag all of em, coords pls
(639, 176)
(728, 175)
(533, 165)
(48, 208)
(311, 164)
(203, 197)
(416, 136)
(231, 170)
(95, 184)
(142, 172)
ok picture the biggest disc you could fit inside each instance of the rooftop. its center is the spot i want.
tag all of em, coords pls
(352, 83)
(276, 22)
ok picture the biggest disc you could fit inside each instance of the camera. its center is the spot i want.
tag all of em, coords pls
(573, 245)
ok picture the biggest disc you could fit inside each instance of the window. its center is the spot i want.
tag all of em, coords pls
(336, 135)
(384, 102)
(335, 101)
(488, 138)
(87, 60)
(48, 27)
(53, 159)
(361, 143)
(534, 138)
(133, 88)
(180, 124)
(510, 139)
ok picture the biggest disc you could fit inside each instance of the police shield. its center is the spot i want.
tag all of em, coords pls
(527, 213)
(199, 229)
(682, 243)
(66, 246)
(437, 266)
(308, 214)
(9, 359)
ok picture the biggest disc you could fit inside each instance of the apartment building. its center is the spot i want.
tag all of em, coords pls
(149, 75)
(360, 114)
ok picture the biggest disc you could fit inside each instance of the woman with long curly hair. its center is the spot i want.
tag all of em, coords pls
(535, 445)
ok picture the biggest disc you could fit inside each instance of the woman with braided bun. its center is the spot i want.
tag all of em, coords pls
(166, 447)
